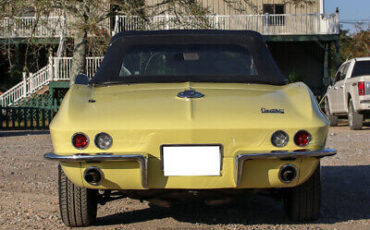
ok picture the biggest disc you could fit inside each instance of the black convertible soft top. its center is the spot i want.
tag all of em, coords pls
(268, 72)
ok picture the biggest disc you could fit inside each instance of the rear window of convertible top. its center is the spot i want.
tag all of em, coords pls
(187, 60)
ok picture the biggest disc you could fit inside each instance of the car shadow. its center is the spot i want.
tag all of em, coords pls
(23, 133)
(346, 196)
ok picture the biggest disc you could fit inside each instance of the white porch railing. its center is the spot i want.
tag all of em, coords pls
(62, 67)
(267, 24)
(38, 27)
(58, 69)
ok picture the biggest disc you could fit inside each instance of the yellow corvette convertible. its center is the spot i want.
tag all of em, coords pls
(173, 112)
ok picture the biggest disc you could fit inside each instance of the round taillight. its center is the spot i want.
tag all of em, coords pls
(103, 141)
(80, 140)
(279, 138)
(302, 138)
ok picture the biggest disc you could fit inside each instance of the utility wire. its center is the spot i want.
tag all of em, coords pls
(355, 21)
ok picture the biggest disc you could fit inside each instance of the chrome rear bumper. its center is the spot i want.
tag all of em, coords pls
(142, 160)
(239, 159)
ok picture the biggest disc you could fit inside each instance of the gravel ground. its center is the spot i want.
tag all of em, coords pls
(28, 193)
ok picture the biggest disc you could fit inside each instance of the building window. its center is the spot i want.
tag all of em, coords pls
(275, 11)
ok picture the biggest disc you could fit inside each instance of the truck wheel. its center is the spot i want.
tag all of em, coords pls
(302, 203)
(333, 120)
(78, 206)
(354, 118)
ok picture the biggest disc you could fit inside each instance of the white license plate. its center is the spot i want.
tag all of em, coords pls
(191, 160)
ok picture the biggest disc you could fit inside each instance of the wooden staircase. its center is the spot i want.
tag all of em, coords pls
(57, 69)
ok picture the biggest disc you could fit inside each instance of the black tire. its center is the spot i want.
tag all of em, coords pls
(333, 120)
(355, 119)
(78, 206)
(302, 203)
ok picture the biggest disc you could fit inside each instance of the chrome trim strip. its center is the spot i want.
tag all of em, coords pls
(142, 160)
(239, 159)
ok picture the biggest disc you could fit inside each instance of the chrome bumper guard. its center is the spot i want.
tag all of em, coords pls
(239, 159)
(142, 160)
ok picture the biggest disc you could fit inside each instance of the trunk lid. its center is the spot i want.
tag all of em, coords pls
(143, 117)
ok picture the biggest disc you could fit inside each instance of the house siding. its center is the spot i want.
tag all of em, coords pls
(252, 7)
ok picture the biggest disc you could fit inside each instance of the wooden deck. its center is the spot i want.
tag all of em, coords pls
(266, 24)
(26, 27)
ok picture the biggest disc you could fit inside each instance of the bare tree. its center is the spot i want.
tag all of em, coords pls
(89, 19)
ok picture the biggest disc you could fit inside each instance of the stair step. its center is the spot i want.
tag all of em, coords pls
(43, 90)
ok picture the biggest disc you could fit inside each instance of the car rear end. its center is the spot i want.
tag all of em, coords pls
(147, 137)
(360, 79)
(191, 110)
(363, 92)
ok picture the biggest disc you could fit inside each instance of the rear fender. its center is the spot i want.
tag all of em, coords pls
(304, 101)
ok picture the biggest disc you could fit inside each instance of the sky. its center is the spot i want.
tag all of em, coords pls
(349, 10)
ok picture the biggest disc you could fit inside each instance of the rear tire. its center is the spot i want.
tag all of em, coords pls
(355, 119)
(302, 203)
(78, 206)
(333, 120)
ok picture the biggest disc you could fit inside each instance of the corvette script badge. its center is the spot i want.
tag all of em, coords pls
(264, 110)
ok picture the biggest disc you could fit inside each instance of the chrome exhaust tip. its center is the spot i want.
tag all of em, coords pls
(288, 173)
(93, 175)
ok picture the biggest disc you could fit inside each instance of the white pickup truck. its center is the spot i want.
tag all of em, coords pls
(349, 94)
